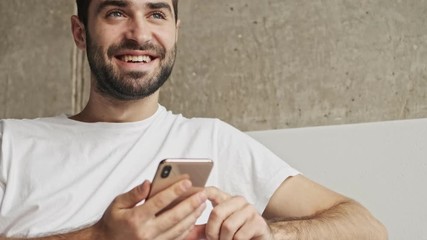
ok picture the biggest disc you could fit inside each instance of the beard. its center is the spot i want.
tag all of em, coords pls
(132, 85)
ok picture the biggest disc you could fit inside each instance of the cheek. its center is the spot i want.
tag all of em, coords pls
(167, 37)
(107, 36)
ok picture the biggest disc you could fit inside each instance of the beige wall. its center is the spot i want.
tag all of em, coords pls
(256, 64)
(35, 58)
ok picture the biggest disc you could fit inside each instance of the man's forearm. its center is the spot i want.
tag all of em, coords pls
(346, 221)
(89, 233)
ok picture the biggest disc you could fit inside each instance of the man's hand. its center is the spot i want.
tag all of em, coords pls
(125, 220)
(232, 218)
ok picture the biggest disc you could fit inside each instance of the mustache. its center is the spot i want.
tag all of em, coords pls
(132, 45)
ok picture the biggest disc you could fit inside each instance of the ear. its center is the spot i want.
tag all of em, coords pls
(178, 24)
(79, 32)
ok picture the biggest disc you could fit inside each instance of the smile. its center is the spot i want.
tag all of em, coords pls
(136, 59)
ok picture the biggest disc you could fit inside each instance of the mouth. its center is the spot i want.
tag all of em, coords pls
(137, 61)
(136, 58)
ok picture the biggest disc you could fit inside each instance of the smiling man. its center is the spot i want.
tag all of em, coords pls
(131, 48)
(79, 177)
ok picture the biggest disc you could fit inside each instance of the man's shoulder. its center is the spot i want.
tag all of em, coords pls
(214, 127)
(26, 124)
(39, 120)
(191, 124)
(195, 122)
(181, 120)
(35, 119)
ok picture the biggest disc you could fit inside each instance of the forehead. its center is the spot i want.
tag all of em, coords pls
(95, 4)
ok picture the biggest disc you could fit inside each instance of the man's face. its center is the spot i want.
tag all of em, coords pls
(131, 46)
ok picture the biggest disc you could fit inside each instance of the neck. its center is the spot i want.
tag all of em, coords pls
(103, 109)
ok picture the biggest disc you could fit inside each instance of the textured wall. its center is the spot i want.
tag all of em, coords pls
(281, 63)
(258, 64)
(36, 58)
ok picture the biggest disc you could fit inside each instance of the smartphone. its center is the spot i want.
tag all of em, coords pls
(169, 171)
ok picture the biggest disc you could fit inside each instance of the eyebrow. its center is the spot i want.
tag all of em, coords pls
(124, 3)
(159, 5)
(107, 3)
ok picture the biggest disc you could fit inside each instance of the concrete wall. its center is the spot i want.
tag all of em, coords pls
(257, 64)
(35, 58)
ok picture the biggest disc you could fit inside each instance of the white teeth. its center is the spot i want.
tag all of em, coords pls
(128, 58)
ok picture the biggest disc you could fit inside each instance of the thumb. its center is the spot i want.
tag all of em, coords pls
(197, 233)
(133, 197)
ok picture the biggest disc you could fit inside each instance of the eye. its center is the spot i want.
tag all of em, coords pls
(115, 14)
(158, 15)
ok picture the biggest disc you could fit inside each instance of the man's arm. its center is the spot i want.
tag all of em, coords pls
(347, 220)
(299, 210)
(89, 233)
(125, 219)
(302, 209)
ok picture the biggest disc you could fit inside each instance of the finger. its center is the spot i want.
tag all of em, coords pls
(183, 227)
(188, 207)
(235, 221)
(216, 196)
(162, 199)
(198, 232)
(133, 197)
(220, 213)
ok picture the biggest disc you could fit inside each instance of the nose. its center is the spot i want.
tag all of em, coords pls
(139, 31)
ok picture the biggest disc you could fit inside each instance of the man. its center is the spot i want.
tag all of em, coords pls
(78, 177)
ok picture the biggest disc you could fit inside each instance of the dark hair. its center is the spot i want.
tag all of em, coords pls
(83, 6)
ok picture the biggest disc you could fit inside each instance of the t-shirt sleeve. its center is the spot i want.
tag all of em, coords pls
(248, 168)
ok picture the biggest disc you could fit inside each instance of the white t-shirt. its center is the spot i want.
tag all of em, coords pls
(57, 174)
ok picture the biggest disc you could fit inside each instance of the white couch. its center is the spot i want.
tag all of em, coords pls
(383, 165)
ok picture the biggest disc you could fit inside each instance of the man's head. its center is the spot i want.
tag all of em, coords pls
(130, 44)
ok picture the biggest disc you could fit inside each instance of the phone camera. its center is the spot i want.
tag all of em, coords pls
(166, 171)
